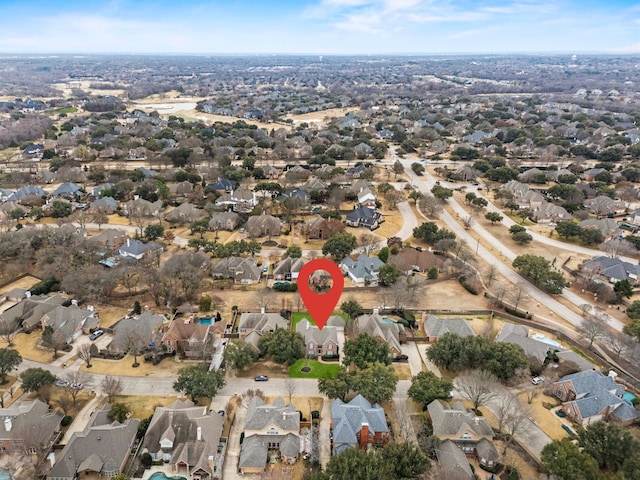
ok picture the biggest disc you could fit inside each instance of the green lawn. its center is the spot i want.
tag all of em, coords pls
(299, 316)
(318, 369)
(65, 110)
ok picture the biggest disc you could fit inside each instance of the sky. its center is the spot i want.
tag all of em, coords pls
(320, 27)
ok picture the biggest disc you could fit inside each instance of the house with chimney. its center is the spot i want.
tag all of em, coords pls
(240, 200)
(321, 228)
(288, 269)
(410, 260)
(318, 343)
(269, 429)
(188, 439)
(435, 327)
(260, 323)
(188, 338)
(357, 424)
(71, 322)
(29, 429)
(363, 270)
(241, 270)
(591, 396)
(136, 249)
(138, 332)
(470, 433)
(101, 450)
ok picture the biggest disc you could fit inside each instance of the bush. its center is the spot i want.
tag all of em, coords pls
(315, 414)
(517, 313)
(401, 358)
(286, 287)
(467, 287)
(45, 286)
(330, 358)
(66, 420)
(146, 459)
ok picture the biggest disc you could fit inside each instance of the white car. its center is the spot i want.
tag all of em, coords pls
(537, 380)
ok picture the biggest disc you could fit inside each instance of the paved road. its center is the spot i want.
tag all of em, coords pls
(538, 295)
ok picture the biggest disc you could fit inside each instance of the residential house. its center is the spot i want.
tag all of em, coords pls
(288, 269)
(70, 322)
(321, 228)
(591, 174)
(241, 200)
(184, 213)
(187, 438)
(435, 327)
(362, 270)
(367, 198)
(188, 338)
(222, 185)
(391, 333)
(110, 240)
(453, 462)
(591, 396)
(181, 189)
(136, 249)
(612, 269)
(105, 205)
(549, 212)
(27, 191)
(608, 227)
(269, 428)
(604, 206)
(357, 424)
(241, 270)
(314, 184)
(101, 450)
(410, 260)
(364, 217)
(470, 433)
(136, 332)
(29, 428)
(318, 342)
(28, 312)
(141, 207)
(263, 226)
(67, 190)
(225, 221)
(260, 323)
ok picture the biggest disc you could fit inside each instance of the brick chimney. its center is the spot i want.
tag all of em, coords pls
(364, 436)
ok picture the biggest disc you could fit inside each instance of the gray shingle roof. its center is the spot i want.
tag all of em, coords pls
(436, 326)
(448, 420)
(253, 452)
(281, 416)
(451, 458)
(261, 321)
(364, 267)
(348, 419)
(316, 335)
(375, 326)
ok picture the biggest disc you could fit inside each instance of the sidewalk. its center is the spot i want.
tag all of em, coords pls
(82, 419)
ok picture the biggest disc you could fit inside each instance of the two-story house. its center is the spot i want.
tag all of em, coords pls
(187, 338)
(240, 270)
(269, 428)
(472, 434)
(288, 269)
(357, 424)
(187, 438)
(318, 343)
(391, 333)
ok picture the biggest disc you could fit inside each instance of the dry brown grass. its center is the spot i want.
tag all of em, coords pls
(26, 282)
(27, 346)
(548, 421)
(320, 117)
(144, 406)
(402, 370)
(306, 405)
(168, 367)
(110, 314)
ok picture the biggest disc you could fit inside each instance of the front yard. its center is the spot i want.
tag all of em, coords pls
(316, 369)
(297, 317)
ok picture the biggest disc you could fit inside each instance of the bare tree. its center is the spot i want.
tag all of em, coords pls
(593, 327)
(429, 205)
(291, 387)
(77, 381)
(368, 243)
(264, 298)
(517, 295)
(586, 308)
(532, 392)
(8, 331)
(64, 402)
(490, 274)
(111, 386)
(84, 353)
(478, 386)
(135, 344)
(511, 415)
(619, 344)
(617, 247)
(467, 222)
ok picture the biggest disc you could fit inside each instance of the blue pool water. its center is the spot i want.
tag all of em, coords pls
(4, 475)
(627, 397)
(205, 321)
(162, 476)
(387, 320)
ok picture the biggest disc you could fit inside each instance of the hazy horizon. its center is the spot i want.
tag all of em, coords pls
(320, 27)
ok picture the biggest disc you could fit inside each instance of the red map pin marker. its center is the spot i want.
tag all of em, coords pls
(320, 306)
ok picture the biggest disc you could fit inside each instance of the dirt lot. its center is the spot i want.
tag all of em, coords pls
(26, 282)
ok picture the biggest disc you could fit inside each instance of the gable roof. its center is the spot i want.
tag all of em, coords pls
(278, 414)
(261, 321)
(452, 459)
(237, 268)
(375, 326)
(289, 265)
(348, 419)
(363, 267)
(144, 327)
(613, 267)
(316, 335)
(110, 442)
(26, 415)
(455, 420)
(436, 327)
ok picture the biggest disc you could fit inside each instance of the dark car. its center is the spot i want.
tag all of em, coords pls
(261, 378)
(96, 334)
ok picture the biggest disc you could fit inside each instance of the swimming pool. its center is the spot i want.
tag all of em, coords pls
(387, 320)
(205, 321)
(541, 338)
(4, 475)
(628, 397)
(162, 476)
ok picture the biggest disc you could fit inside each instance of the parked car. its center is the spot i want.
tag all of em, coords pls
(221, 413)
(537, 380)
(77, 386)
(62, 383)
(261, 378)
(96, 334)
(265, 269)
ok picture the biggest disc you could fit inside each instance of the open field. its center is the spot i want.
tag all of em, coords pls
(167, 368)
(27, 346)
(25, 282)
(321, 116)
